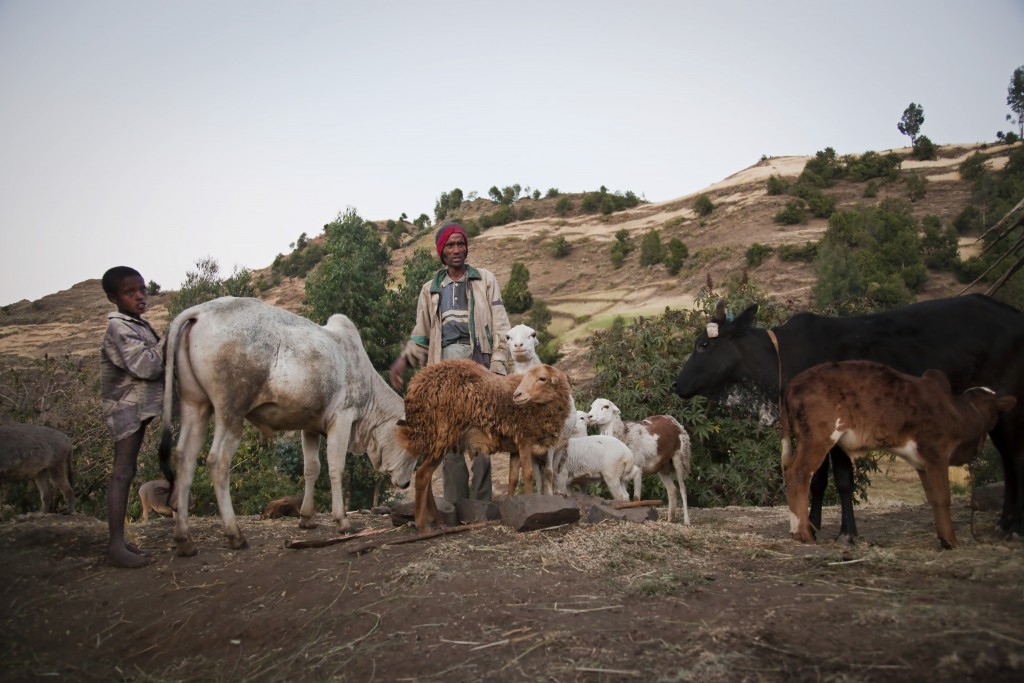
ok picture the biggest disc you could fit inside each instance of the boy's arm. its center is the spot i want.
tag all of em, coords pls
(128, 348)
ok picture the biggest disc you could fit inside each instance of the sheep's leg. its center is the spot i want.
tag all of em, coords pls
(310, 471)
(526, 461)
(615, 486)
(680, 472)
(45, 492)
(425, 504)
(59, 478)
(513, 473)
(935, 479)
(226, 438)
(670, 489)
(638, 481)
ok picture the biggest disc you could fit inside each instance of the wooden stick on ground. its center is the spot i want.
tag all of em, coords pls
(324, 542)
(621, 504)
(372, 545)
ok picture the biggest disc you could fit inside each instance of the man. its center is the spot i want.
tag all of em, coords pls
(459, 315)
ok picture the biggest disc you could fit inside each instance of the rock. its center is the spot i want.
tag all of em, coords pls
(406, 512)
(988, 498)
(537, 511)
(470, 511)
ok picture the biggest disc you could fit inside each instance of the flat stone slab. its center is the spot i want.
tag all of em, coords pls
(537, 511)
(471, 511)
(406, 512)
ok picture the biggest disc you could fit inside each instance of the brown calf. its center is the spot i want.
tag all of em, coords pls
(153, 498)
(862, 406)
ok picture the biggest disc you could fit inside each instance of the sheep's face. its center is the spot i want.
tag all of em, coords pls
(602, 412)
(522, 342)
(538, 385)
(580, 425)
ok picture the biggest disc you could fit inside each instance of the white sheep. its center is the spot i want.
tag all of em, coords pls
(522, 345)
(659, 444)
(595, 457)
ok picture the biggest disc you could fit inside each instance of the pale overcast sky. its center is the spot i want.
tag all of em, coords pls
(153, 134)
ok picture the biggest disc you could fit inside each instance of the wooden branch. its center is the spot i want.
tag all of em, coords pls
(334, 540)
(372, 545)
(621, 505)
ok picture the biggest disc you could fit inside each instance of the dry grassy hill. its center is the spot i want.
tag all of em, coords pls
(583, 290)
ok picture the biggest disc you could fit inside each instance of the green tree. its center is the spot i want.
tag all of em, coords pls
(202, 284)
(353, 279)
(910, 124)
(516, 293)
(1015, 97)
(652, 251)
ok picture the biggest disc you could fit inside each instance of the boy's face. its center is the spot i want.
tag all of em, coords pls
(131, 297)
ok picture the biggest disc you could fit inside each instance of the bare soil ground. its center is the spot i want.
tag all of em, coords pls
(730, 598)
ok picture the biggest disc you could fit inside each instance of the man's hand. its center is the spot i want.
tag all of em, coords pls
(397, 372)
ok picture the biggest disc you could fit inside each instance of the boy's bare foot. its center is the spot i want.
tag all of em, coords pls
(123, 557)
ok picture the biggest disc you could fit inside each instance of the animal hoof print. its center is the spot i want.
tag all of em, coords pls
(187, 549)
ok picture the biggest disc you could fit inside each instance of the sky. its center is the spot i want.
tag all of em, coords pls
(157, 133)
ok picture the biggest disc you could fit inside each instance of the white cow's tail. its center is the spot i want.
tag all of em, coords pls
(178, 330)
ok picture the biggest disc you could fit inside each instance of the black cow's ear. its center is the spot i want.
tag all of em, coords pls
(747, 318)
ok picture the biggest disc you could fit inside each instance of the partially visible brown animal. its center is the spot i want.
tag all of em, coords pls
(283, 507)
(862, 406)
(39, 453)
(459, 404)
(153, 496)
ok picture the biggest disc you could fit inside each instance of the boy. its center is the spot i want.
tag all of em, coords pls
(132, 380)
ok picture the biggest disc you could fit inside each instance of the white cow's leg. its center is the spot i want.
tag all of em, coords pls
(310, 471)
(337, 446)
(226, 438)
(193, 433)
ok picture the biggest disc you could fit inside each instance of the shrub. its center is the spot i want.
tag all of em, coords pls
(777, 185)
(652, 251)
(967, 221)
(873, 165)
(917, 186)
(924, 149)
(821, 205)
(560, 247)
(757, 253)
(618, 254)
(622, 236)
(939, 246)
(703, 205)
(563, 206)
(871, 189)
(677, 253)
(974, 166)
(823, 170)
(792, 214)
(552, 192)
(791, 252)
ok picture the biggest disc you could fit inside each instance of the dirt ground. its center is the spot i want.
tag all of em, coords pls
(730, 598)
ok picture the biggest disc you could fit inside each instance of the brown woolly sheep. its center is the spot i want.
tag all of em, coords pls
(459, 404)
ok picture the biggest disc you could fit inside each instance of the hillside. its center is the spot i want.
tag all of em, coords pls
(583, 290)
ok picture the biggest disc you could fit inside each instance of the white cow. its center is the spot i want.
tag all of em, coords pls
(241, 359)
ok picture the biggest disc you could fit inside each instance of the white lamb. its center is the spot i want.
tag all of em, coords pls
(593, 457)
(659, 444)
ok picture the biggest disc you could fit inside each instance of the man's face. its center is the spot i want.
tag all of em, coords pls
(455, 251)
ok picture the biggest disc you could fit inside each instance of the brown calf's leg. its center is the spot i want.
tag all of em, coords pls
(935, 479)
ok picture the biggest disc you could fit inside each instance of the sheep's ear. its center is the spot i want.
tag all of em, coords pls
(617, 411)
(719, 314)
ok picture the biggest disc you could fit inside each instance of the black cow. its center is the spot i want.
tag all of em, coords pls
(974, 339)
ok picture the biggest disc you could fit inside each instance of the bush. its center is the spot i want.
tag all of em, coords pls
(791, 252)
(823, 170)
(792, 214)
(618, 254)
(872, 165)
(974, 166)
(924, 149)
(677, 254)
(917, 186)
(552, 192)
(821, 205)
(560, 247)
(967, 221)
(939, 246)
(563, 207)
(652, 251)
(777, 185)
(703, 205)
(757, 253)
(871, 189)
